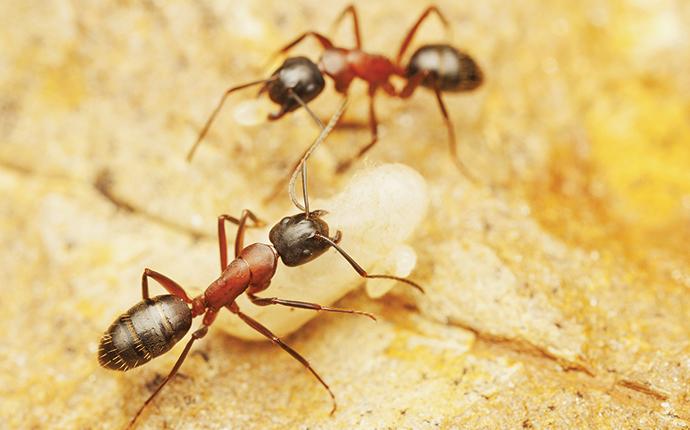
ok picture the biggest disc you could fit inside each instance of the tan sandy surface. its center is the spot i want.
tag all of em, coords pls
(558, 290)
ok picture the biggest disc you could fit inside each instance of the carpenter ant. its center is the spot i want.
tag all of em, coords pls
(440, 67)
(154, 325)
(294, 84)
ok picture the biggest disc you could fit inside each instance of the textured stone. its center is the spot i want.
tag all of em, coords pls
(558, 290)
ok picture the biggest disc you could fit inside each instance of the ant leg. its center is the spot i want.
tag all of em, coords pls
(408, 90)
(267, 301)
(239, 238)
(412, 84)
(355, 21)
(373, 127)
(171, 286)
(451, 139)
(323, 40)
(198, 334)
(359, 269)
(213, 115)
(410, 34)
(276, 340)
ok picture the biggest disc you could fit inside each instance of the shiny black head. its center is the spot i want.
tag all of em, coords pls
(448, 69)
(300, 75)
(294, 237)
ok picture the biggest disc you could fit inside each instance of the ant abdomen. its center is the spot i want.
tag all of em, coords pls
(447, 69)
(148, 329)
(298, 76)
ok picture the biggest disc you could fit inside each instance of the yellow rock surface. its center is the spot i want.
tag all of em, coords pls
(558, 291)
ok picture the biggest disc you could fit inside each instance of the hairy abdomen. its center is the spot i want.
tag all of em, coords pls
(148, 329)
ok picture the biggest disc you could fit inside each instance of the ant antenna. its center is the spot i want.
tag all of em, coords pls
(306, 107)
(211, 118)
(278, 187)
(301, 166)
(318, 122)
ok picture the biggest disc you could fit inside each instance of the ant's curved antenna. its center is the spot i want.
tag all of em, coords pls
(215, 112)
(301, 166)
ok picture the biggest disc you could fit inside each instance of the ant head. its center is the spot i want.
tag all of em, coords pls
(447, 68)
(297, 76)
(294, 237)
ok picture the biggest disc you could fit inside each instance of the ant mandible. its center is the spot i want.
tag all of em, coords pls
(154, 325)
(439, 67)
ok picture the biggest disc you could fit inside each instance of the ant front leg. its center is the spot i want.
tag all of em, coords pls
(171, 286)
(359, 269)
(239, 238)
(374, 129)
(276, 340)
(267, 301)
(198, 334)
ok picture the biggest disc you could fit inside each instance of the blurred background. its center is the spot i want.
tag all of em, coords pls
(558, 288)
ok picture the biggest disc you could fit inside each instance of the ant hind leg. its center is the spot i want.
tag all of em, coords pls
(452, 140)
(410, 34)
(355, 22)
(276, 340)
(198, 334)
(171, 286)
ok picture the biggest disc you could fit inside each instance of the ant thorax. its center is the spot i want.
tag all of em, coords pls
(377, 212)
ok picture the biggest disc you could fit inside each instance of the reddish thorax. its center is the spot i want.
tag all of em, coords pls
(343, 65)
(252, 269)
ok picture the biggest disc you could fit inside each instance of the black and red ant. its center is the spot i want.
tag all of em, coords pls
(154, 325)
(439, 67)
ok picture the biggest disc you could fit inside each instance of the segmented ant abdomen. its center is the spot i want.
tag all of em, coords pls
(148, 329)
(448, 69)
(294, 238)
(300, 75)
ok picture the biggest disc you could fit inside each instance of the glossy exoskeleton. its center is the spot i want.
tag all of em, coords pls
(154, 325)
(444, 68)
(292, 85)
(148, 329)
(439, 67)
(295, 83)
